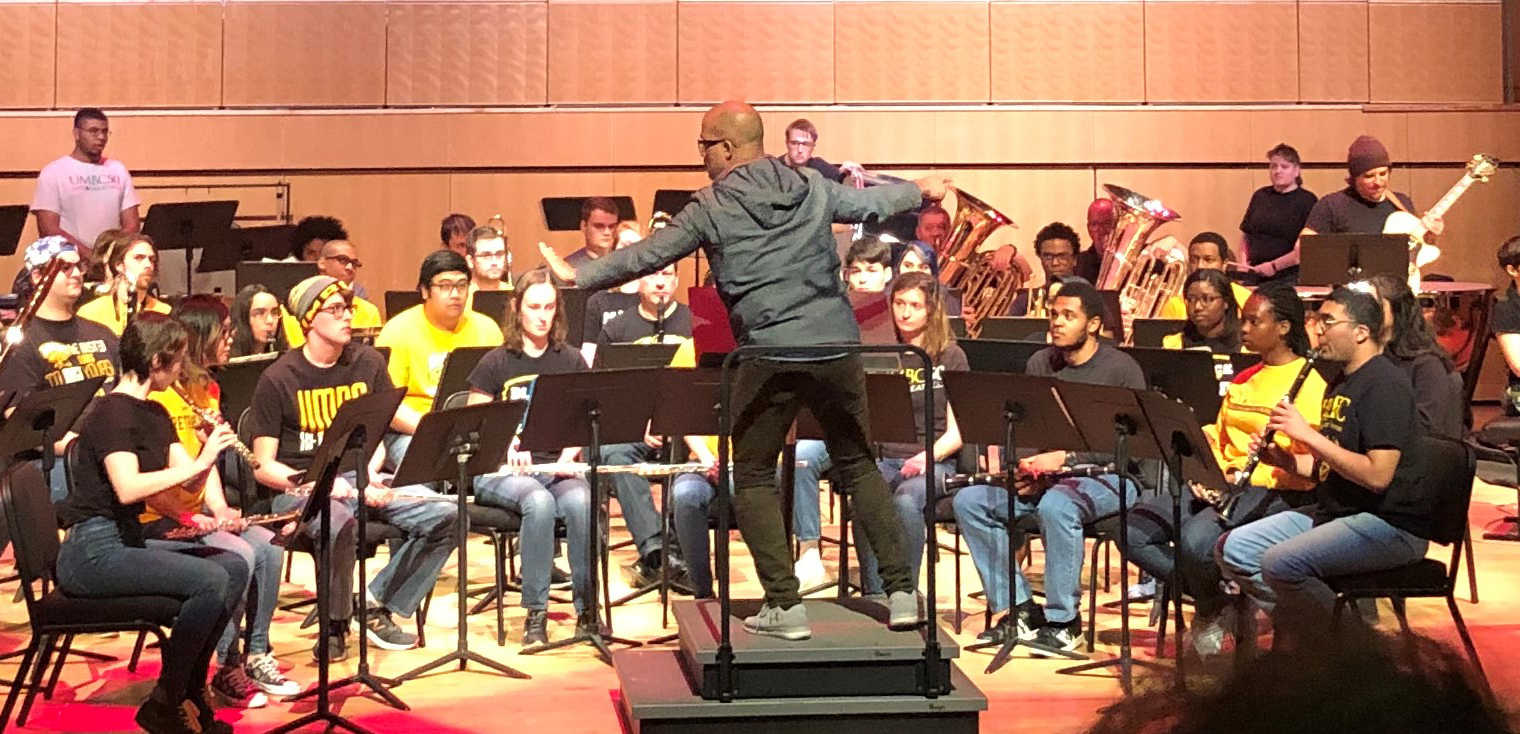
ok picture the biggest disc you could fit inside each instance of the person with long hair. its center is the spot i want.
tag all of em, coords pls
(131, 272)
(1273, 327)
(256, 322)
(1213, 315)
(238, 681)
(1411, 344)
(535, 345)
(129, 454)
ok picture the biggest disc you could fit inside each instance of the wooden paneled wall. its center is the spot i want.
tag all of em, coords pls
(363, 53)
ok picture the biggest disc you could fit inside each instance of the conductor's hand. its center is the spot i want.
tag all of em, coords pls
(934, 187)
(557, 265)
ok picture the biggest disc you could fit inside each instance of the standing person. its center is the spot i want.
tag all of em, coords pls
(766, 228)
(1273, 220)
(128, 454)
(256, 323)
(131, 267)
(85, 193)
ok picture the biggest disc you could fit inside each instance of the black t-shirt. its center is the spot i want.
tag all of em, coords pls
(296, 400)
(601, 308)
(1506, 320)
(508, 375)
(117, 423)
(54, 353)
(1374, 408)
(953, 360)
(631, 326)
(1437, 394)
(1274, 220)
(1343, 212)
(1089, 264)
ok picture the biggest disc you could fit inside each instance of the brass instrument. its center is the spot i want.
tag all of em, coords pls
(985, 290)
(190, 531)
(16, 331)
(210, 419)
(366, 334)
(658, 220)
(1145, 274)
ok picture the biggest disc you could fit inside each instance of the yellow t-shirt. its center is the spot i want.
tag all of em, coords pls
(418, 349)
(1176, 308)
(105, 311)
(686, 356)
(186, 423)
(1248, 401)
(366, 316)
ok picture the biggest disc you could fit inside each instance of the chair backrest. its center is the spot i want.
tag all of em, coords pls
(457, 400)
(34, 526)
(1450, 467)
(71, 468)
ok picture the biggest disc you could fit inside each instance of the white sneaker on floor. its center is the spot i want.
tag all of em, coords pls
(809, 569)
(787, 624)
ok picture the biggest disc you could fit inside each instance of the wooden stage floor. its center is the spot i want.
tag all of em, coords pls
(571, 692)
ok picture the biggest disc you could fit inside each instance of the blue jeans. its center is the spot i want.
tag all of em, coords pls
(396, 445)
(1282, 562)
(93, 562)
(981, 512)
(807, 525)
(541, 499)
(908, 495)
(413, 567)
(634, 494)
(692, 495)
(265, 559)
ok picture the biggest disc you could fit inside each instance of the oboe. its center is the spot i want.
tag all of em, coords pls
(210, 420)
(1243, 479)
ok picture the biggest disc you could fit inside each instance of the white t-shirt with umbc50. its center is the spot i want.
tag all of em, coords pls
(88, 197)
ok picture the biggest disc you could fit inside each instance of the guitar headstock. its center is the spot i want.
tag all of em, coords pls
(1481, 167)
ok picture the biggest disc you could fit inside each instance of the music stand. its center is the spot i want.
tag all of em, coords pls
(492, 304)
(189, 226)
(573, 301)
(1112, 422)
(563, 213)
(247, 244)
(990, 355)
(454, 446)
(12, 223)
(623, 356)
(1338, 259)
(1015, 328)
(278, 277)
(41, 418)
(990, 409)
(238, 381)
(1153, 332)
(455, 377)
(355, 433)
(590, 409)
(1183, 374)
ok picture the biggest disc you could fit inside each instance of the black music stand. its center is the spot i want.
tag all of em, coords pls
(1112, 422)
(278, 277)
(590, 409)
(1183, 374)
(12, 223)
(1007, 357)
(492, 304)
(573, 301)
(189, 226)
(248, 244)
(455, 377)
(46, 414)
(398, 301)
(1153, 332)
(990, 409)
(355, 432)
(454, 446)
(238, 381)
(622, 356)
(1015, 328)
(563, 213)
(1338, 259)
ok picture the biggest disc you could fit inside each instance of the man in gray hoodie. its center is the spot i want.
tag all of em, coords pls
(766, 229)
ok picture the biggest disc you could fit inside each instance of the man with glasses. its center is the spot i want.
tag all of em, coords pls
(1056, 244)
(293, 404)
(340, 260)
(421, 337)
(801, 141)
(1372, 512)
(84, 193)
(486, 252)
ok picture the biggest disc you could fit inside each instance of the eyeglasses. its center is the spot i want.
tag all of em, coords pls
(71, 268)
(338, 310)
(451, 287)
(799, 143)
(1205, 299)
(1057, 256)
(704, 143)
(1327, 322)
(501, 255)
(346, 261)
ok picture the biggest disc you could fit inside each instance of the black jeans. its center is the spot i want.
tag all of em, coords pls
(766, 396)
(93, 562)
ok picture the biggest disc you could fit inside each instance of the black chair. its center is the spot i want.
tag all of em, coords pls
(55, 618)
(1450, 467)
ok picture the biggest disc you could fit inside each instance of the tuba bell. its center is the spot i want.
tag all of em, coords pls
(985, 290)
(1145, 274)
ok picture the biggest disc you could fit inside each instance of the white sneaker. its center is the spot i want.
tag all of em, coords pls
(1142, 591)
(787, 624)
(809, 569)
(903, 611)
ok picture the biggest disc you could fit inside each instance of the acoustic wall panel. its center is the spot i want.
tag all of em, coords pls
(139, 55)
(319, 54)
(760, 52)
(606, 53)
(911, 51)
(27, 56)
(472, 53)
(1066, 52)
(1220, 51)
(1332, 51)
(1436, 52)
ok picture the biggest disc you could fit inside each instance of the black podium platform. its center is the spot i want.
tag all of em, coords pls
(854, 675)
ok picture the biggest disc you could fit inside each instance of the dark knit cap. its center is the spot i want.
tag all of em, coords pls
(1365, 154)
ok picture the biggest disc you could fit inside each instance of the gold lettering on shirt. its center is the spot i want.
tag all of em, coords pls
(317, 407)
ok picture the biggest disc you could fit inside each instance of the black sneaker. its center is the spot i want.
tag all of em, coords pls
(1054, 636)
(158, 717)
(265, 673)
(536, 629)
(337, 647)
(384, 633)
(585, 622)
(233, 686)
(641, 573)
(206, 715)
(1031, 617)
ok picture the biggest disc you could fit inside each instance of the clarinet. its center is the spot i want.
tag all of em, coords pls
(1243, 479)
(210, 420)
(659, 321)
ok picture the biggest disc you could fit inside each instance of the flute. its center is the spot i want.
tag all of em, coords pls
(1228, 502)
(191, 531)
(210, 420)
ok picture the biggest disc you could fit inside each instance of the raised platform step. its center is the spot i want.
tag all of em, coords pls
(851, 653)
(656, 698)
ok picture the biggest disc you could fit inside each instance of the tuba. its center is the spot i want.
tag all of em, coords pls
(985, 290)
(1145, 274)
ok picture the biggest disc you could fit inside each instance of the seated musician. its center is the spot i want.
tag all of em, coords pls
(1410, 343)
(1506, 323)
(604, 306)
(57, 347)
(1207, 251)
(340, 259)
(535, 345)
(486, 252)
(454, 233)
(1075, 354)
(1371, 512)
(421, 337)
(287, 425)
(128, 454)
(1273, 327)
(256, 323)
(203, 505)
(311, 234)
(1056, 244)
(1213, 315)
(867, 266)
(131, 269)
(918, 312)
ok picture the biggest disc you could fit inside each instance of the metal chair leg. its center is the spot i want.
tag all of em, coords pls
(136, 652)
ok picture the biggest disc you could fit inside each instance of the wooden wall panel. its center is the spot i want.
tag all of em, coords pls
(1220, 52)
(881, 136)
(1436, 52)
(760, 52)
(877, 58)
(1062, 136)
(473, 53)
(1476, 225)
(1333, 55)
(612, 52)
(27, 55)
(140, 55)
(329, 54)
(1067, 52)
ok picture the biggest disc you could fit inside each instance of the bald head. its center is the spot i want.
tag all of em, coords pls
(732, 134)
(1100, 221)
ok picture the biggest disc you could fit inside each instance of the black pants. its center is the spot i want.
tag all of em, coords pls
(767, 395)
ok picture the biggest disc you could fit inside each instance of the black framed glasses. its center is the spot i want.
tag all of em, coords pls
(704, 143)
(338, 310)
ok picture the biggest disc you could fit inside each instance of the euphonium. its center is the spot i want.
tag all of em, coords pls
(1145, 275)
(985, 290)
(15, 332)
